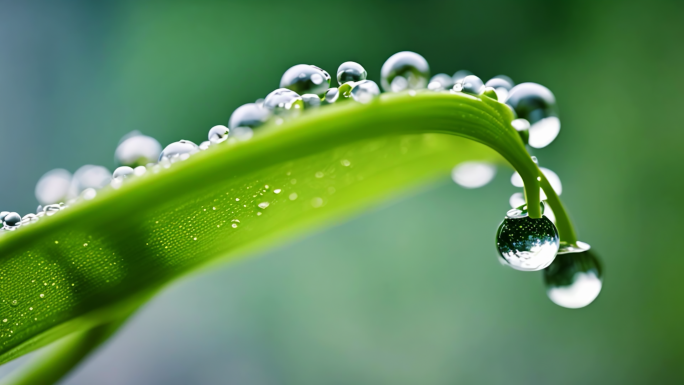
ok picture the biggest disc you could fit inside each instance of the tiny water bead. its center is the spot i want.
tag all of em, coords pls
(365, 91)
(53, 186)
(29, 219)
(473, 174)
(440, 82)
(137, 150)
(11, 221)
(283, 101)
(473, 85)
(123, 172)
(311, 100)
(180, 150)
(350, 72)
(305, 79)
(527, 244)
(218, 134)
(536, 104)
(404, 71)
(250, 115)
(501, 84)
(574, 279)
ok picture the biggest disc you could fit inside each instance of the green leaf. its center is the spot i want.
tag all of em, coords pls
(96, 262)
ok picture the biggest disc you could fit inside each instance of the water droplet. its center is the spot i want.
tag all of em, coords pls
(180, 150)
(537, 105)
(277, 191)
(311, 100)
(472, 85)
(42, 296)
(89, 194)
(305, 79)
(365, 91)
(258, 213)
(319, 174)
(218, 134)
(527, 244)
(234, 225)
(331, 96)
(14, 303)
(440, 82)
(473, 174)
(263, 205)
(53, 187)
(11, 221)
(250, 115)
(502, 84)
(345, 163)
(137, 150)
(205, 145)
(293, 196)
(316, 202)
(122, 172)
(521, 211)
(89, 176)
(283, 101)
(459, 75)
(350, 72)
(404, 70)
(140, 171)
(574, 279)
(29, 219)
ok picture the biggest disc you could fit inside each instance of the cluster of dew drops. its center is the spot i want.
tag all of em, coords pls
(572, 273)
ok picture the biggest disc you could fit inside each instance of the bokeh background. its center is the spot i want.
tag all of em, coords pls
(410, 292)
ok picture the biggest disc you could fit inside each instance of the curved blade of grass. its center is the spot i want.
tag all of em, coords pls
(99, 260)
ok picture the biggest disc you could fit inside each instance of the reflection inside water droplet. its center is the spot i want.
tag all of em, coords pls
(263, 205)
(574, 279)
(527, 244)
(404, 70)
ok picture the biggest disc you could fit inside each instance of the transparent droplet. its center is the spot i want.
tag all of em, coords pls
(11, 221)
(459, 75)
(537, 105)
(283, 101)
(137, 150)
(440, 82)
(404, 70)
(249, 115)
(89, 176)
(305, 79)
(527, 244)
(263, 205)
(575, 278)
(29, 219)
(205, 145)
(123, 172)
(14, 303)
(311, 100)
(473, 174)
(331, 96)
(365, 91)
(53, 187)
(350, 72)
(91, 193)
(180, 150)
(218, 134)
(472, 85)
(51, 210)
(502, 84)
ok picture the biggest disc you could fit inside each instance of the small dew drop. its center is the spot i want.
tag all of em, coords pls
(317, 202)
(293, 181)
(259, 214)
(42, 295)
(14, 303)
(320, 174)
(85, 244)
(277, 191)
(293, 196)
(234, 225)
(345, 162)
(263, 205)
(237, 199)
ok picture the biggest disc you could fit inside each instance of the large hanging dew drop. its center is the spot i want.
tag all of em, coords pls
(365, 91)
(137, 150)
(350, 72)
(527, 244)
(404, 70)
(11, 221)
(218, 134)
(250, 115)
(574, 279)
(473, 174)
(472, 85)
(180, 150)
(305, 79)
(440, 82)
(537, 105)
(89, 177)
(502, 84)
(283, 101)
(53, 187)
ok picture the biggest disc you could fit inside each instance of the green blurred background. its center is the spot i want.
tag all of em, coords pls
(410, 292)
